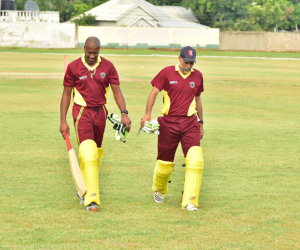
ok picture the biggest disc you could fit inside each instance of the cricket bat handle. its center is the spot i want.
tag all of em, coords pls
(68, 141)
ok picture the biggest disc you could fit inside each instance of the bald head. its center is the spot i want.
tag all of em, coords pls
(93, 41)
(91, 50)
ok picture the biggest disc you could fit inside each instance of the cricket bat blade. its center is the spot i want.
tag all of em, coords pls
(75, 169)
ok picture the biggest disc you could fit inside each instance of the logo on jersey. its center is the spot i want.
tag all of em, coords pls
(82, 77)
(102, 75)
(173, 82)
(190, 53)
(192, 84)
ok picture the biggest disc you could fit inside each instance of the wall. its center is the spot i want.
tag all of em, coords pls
(283, 41)
(131, 37)
(38, 35)
(260, 41)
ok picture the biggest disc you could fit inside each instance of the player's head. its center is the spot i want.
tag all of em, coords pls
(187, 59)
(91, 50)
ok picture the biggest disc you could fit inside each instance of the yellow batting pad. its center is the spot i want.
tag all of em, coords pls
(193, 176)
(100, 154)
(88, 154)
(162, 174)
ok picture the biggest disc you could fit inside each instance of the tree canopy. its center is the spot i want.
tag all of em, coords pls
(240, 15)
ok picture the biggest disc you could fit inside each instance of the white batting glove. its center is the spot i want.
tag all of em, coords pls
(151, 127)
(155, 127)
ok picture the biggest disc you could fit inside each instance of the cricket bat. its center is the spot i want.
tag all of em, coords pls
(76, 173)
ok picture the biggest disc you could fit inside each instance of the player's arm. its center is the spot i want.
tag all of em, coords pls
(64, 106)
(119, 98)
(200, 114)
(150, 103)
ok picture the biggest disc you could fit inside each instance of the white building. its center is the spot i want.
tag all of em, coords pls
(140, 13)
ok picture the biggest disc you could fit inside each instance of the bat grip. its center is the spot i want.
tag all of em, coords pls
(68, 141)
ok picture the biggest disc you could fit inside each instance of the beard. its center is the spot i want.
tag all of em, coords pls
(185, 70)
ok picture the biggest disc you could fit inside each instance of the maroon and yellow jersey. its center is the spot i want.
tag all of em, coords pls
(90, 83)
(179, 90)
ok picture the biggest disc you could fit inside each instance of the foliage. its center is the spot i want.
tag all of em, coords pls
(44, 5)
(85, 20)
(210, 11)
(243, 15)
(268, 14)
(67, 8)
(166, 2)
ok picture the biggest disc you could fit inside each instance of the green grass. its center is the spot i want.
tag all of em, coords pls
(251, 182)
(200, 52)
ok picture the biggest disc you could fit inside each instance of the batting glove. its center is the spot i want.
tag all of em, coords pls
(151, 127)
(121, 133)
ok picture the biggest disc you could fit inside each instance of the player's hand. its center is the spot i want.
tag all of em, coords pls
(64, 128)
(201, 131)
(145, 119)
(151, 127)
(126, 120)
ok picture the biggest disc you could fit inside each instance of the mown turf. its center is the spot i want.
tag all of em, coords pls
(200, 52)
(250, 189)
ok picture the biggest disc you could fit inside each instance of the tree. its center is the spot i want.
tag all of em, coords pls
(85, 20)
(293, 20)
(209, 12)
(166, 2)
(67, 8)
(269, 14)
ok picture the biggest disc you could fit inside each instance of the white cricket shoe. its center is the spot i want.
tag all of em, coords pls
(159, 197)
(190, 207)
(81, 199)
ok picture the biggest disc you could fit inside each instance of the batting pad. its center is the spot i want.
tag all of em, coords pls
(193, 176)
(162, 174)
(88, 154)
(100, 154)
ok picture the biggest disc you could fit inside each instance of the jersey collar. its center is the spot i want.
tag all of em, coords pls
(183, 76)
(88, 66)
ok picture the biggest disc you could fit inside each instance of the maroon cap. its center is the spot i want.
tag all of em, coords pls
(188, 54)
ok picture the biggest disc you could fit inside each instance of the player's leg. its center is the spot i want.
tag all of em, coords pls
(193, 165)
(100, 123)
(168, 140)
(88, 155)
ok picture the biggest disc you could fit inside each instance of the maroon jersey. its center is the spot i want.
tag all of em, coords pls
(90, 83)
(179, 90)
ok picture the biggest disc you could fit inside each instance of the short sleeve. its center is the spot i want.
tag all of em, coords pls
(160, 80)
(200, 88)
(69, 80)
(113, 75)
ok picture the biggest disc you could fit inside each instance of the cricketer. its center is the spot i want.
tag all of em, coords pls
(182, 122)
(89, 77)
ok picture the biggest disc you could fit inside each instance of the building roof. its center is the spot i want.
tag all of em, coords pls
(181, 24)
(167, 16)
(179, 13)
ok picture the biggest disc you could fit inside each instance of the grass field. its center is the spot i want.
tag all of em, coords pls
(200, 52)
(250, 189)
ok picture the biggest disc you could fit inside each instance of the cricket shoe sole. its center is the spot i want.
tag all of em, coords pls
(159, 197)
